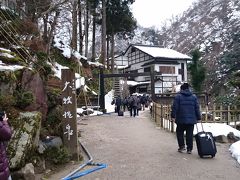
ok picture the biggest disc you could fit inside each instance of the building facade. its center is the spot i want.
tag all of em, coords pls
(141, 58)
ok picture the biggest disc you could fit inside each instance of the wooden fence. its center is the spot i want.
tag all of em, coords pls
(161, 114)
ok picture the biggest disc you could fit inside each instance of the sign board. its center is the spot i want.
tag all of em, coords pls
(69, 104)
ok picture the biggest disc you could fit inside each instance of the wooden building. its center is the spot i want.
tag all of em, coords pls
(143, 58)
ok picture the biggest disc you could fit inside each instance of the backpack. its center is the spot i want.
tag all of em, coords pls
(131, 101)
(125, 102)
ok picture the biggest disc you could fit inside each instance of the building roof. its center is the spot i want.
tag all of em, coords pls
(158, 52)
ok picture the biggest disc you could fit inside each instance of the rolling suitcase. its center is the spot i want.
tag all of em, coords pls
(205, 143)
(120, 113)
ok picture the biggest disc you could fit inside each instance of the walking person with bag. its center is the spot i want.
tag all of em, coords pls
(185, 113)
(5, 135)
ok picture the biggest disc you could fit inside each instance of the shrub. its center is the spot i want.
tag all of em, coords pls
(54, 120)
(54, 97)
(23, 98)
(56, 155)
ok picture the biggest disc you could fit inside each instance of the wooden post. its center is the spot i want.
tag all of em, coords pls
(152, 74)
(214, 111)
(206, 110)
(221, 110)
(69, 122)
(157, 116)
(161, 118)
(102, 92)
(229, 115)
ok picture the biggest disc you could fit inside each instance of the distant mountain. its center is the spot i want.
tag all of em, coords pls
(207, 25)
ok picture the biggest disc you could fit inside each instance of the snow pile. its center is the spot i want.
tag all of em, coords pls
(108, 99)
(235, 150)
(217, 129)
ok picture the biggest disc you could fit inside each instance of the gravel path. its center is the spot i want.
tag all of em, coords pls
(134, 149)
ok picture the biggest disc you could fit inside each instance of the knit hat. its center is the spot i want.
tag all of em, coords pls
(184, 86)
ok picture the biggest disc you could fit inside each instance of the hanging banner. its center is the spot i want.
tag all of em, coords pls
(69, 104)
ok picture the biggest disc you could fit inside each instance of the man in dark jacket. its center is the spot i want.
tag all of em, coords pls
(185, 113)
(5, 135)
(118, 103)
(133, 102)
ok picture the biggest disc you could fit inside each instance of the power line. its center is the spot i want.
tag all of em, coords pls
(15, 41)
(10, 17)
(10, 41)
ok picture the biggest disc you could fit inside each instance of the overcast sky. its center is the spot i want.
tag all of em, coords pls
(154, 12)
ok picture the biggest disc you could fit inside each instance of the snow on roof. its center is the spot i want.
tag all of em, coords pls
(162, 52)
(134, 83)
(121, 66)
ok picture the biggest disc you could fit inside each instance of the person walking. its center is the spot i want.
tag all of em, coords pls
(125, 103)
(143, 101)
(132, 102)
(185, 113)
(118, 103)
(5, 135)
(130, 105)
(139, 107)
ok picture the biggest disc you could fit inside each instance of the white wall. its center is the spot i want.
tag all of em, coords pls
(121, 61)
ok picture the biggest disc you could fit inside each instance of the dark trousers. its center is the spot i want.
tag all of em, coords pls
(118, 109)
(189, 135)
(124, 107)
(133, 111)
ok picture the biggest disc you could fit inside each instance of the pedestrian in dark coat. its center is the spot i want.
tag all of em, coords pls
(133, 102)
(139, 107)
(125, 103)
(185, 113)
(143, 101)
(118, 103)
(5, 135)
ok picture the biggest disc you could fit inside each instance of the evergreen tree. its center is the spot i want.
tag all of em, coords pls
(229, 63)
(119, 21)
(229, 72)
(197, 71)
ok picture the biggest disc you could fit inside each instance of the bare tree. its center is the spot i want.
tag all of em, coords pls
(112, 52)
(94, 16)
(80, 27)
(74, 25)
(103, 49)
(86, 26)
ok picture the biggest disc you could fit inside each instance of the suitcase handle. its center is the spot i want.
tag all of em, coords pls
(201, 125)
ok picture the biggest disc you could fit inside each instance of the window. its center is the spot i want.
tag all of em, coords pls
(147, 69)
(133, 49)
(167, 69)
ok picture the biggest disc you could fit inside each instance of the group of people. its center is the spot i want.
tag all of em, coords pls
(185, 113)
(133, 103)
